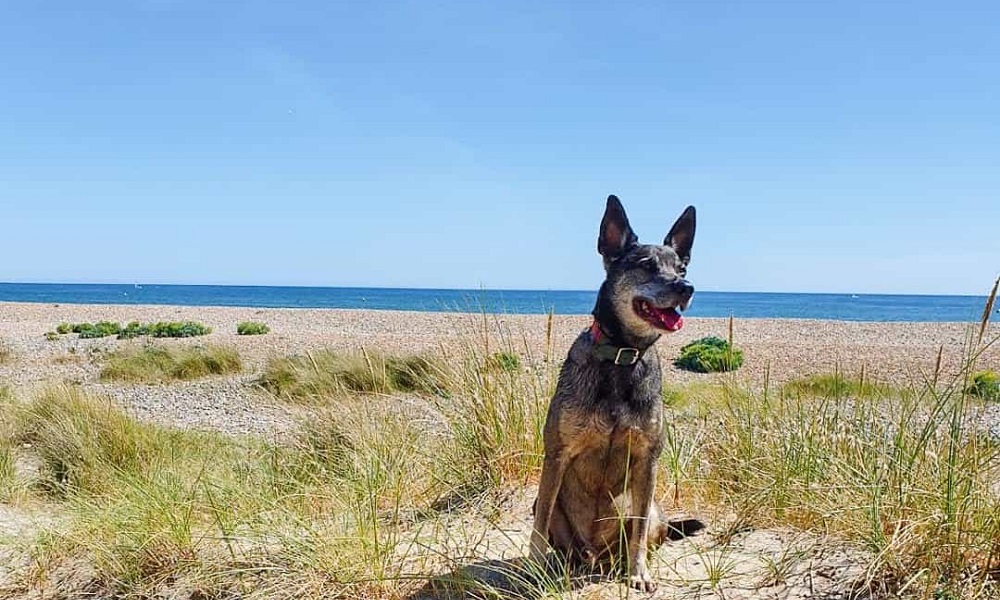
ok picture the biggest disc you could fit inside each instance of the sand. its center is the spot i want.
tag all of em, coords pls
(779, 349)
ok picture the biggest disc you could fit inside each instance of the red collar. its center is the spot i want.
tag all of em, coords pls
(595, 332)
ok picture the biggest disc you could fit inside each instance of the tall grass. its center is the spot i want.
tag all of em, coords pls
(156, 364)
(81, 438)
(496, 413)
(6, 352)
(319, 376)
(903, 473)
(325, 511)
(492, 402)
(8, 473)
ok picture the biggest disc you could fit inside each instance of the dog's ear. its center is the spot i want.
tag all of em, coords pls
(616, 234)
(681, 236)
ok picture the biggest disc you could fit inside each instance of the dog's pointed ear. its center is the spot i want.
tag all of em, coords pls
(681, 236)
(616, 234)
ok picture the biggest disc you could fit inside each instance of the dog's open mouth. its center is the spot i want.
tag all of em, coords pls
(660, 317)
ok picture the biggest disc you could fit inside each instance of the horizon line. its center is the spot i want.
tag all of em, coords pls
(459, 289)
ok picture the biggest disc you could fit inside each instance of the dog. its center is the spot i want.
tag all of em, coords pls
(604, 429)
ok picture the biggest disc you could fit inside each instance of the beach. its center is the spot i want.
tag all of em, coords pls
(776, 349)
(231, 426)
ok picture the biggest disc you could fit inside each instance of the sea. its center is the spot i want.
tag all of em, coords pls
(846, 307)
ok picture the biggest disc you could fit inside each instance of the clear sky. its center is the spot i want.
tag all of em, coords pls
(829, 146)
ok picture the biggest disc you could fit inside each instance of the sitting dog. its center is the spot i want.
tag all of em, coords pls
(604, 430)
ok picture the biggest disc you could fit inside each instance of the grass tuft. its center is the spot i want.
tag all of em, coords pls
(8, 472)
(835, 385)
(321, 375)
(252, 328)
(80, 437)
(157, 364)
(6, 352)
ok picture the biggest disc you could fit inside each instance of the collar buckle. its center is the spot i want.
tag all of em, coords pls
(627, 356)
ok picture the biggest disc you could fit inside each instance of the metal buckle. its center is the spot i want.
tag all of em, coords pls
(633, 352)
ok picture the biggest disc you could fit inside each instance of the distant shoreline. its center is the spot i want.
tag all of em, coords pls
(443, 313)
(841, 307)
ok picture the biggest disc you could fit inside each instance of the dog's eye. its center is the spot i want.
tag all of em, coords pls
(650, 263)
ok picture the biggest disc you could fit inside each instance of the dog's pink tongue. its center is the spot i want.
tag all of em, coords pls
(670, 319)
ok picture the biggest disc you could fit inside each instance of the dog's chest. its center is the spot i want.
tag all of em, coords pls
(605, 444)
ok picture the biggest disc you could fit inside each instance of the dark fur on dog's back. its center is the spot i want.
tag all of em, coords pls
(604, 431)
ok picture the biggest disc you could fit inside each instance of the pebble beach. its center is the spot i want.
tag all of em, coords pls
(778, 349)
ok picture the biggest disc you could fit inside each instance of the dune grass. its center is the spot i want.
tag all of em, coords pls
(8, 475)
(374, 492)
(157, 364)
(837, 385)
(317, 376)
(325, 513)
(6, 352)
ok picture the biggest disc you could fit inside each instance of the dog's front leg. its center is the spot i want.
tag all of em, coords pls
(642, 483)
(553, 469)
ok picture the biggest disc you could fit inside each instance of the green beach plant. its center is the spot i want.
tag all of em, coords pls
(709, 355)
(252, 328)
(985, 385)
(177, 329)
(506, 361)
(98, 330)
(133, 329)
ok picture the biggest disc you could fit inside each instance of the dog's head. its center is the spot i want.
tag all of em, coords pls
(646, 285)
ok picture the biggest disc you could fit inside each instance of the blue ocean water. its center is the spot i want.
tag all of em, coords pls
(847, 307)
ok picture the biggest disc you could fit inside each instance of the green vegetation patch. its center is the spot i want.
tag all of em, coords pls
(252, 328)
(175, 329)
(985, 385)
(507, 362)
(97, 330)
(835, 385)
(134, 329)
(328, 373)
(148, 506)
(156, 364)
(709, 355)
(78, 438)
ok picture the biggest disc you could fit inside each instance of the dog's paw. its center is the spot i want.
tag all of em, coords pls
(642, 581)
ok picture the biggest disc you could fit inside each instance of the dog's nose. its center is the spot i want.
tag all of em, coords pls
(683, 287)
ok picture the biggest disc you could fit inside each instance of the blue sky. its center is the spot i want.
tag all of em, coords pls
(828, 146)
